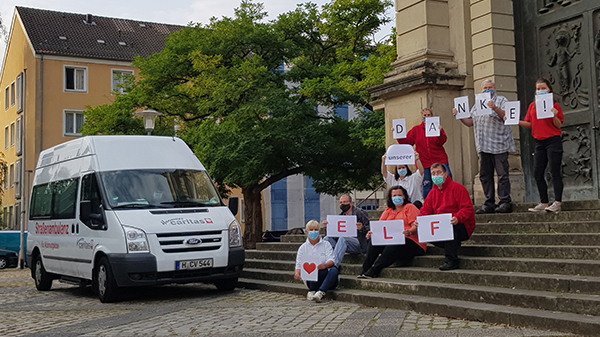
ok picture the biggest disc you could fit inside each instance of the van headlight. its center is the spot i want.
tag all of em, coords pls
(235, 234)
(136, 240)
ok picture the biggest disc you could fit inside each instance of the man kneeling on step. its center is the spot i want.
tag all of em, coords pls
(448, 196)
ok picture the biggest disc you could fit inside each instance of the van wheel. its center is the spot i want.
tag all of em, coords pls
(227, 284)
(108, 291)
(3, 262)
(43, 279)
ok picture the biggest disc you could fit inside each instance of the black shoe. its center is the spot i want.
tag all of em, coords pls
(449, 265)
(369, 274)
(484, 210)
(504, 208)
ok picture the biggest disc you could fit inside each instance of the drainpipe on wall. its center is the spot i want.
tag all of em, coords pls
(41, 103)
(21, 185)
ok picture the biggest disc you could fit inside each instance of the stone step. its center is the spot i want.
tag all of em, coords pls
(543, 300)
(574, 205)
(501, 264)
(492, 313)
(542, 239)
(572, 216)
(555, 283)
(529, 251)
(539, 227)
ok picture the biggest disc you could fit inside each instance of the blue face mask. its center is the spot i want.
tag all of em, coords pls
(397, 200)
(438, 180)
(402, 172)
(491, 91)
(313, 235)
(541, 92)
(423, 118)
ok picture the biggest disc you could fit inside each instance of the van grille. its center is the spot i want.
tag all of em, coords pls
(182, 242)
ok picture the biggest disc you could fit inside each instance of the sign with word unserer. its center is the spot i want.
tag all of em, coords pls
(387, 232)
(400, 154)
(435, 227)
(308, 268)
(432, 126)
(543, 105)
(461, 104)
(399, 128)
(512, 111)
(341, 225)
(481, 101)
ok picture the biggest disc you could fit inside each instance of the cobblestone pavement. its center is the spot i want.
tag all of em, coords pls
(197, 310)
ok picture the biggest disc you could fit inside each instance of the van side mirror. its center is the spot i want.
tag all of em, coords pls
(86, 216)
(233, 205)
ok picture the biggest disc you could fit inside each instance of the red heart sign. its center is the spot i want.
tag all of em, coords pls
(309, 267)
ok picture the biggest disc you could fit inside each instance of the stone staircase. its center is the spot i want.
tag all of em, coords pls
(521, 269)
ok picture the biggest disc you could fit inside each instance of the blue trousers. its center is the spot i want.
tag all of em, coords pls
(427, 184)
(342, 245)
(328, 280)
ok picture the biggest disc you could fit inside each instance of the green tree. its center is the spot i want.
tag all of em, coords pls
(250, 122)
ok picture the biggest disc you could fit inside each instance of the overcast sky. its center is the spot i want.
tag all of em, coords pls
(174, 11)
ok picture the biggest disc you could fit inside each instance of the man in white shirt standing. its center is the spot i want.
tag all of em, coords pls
(328, 273)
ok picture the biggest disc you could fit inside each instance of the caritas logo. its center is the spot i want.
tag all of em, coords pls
(51, 229)
(208, 220)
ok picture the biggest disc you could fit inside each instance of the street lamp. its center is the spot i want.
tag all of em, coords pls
(149, 116)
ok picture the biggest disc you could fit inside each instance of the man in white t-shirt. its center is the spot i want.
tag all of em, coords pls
(403, 176)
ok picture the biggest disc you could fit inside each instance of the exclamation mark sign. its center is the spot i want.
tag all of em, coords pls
(545, 109)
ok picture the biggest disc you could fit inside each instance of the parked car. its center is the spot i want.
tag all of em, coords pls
(8, 259)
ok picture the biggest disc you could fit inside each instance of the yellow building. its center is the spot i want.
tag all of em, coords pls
(54, 66)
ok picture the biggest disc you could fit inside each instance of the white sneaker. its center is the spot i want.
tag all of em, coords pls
(318, 296)
(310, 295)
(554, 208)
(538, 208)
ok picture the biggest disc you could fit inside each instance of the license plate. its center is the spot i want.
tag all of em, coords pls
(193, 264)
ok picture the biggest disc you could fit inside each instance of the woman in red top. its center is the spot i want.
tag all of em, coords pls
(548, 148)
(379, 257)
(431, 149)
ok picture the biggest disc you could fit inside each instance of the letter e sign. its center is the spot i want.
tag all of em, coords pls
(341, 225)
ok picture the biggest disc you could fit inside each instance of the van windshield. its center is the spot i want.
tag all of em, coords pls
(165, 188)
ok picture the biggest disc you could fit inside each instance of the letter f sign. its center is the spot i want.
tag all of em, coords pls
(433, 228)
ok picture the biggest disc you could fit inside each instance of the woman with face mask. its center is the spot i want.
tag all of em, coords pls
(548, 149)
(379, 257)
(404, 177)
(328, 273)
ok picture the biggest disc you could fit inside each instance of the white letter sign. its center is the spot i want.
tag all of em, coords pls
(400, 154)
(435, 227)
(308, 269)
(399, 128)
(481, 103)
(543, 105)
(387, 232)
(461, 104)
(512, 111)
(432, 126)
(341, 225)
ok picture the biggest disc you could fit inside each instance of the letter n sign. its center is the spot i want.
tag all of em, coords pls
(435, 227)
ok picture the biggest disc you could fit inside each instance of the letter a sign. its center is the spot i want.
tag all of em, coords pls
(341, 225)
(435, 228)
(432, 126)
(387, 232)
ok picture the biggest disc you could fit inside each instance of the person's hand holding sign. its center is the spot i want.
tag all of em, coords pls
(491, 104)
(297, 275)
(454, 220)
(410, 231)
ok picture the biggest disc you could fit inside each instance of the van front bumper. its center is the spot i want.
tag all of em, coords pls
(132, 270)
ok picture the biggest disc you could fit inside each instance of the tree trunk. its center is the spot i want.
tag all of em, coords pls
(253, 216)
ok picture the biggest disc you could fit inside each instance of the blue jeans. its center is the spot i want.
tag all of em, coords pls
(427, 184)
(342, 245)
(328, 280)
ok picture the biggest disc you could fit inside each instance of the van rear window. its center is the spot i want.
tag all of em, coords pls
(55, 200)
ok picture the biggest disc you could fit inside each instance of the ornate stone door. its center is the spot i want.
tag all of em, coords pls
(560, 40)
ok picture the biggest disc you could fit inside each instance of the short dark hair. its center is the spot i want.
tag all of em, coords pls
(389, 201)
(436, 165)
(546, 81)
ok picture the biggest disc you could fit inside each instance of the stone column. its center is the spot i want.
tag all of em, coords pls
(492, 26)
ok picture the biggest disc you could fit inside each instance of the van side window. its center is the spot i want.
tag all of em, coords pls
(56, 200)
(91, 192)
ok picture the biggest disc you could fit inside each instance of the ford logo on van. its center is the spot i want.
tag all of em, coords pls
(193, 241)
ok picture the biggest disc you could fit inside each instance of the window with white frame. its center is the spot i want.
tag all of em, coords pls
(19, 136)
(12, 134)
(17, 215)
(118, 78)
(18, 179)
(75, 78)
(6, 98)
(20, 93)
(6, 137)
(73, 120)
(5, 176)
(10, 217)
(11, 175)
(5, 217)
(12, 94)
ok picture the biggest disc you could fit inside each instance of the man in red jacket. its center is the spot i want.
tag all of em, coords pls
(450, 197)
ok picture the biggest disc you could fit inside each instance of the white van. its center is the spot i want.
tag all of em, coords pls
(123, 211)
